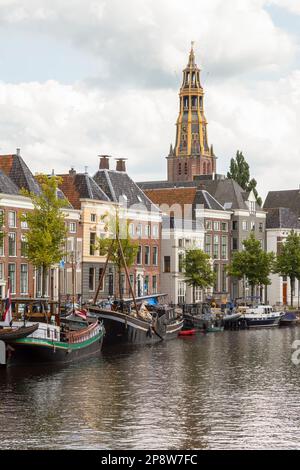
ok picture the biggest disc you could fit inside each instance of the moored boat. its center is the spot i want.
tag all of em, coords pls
(144, 327)
(55, 344)
(190, 332)
(288, 319)
(262, 316)
(17, 331)
(214, 329)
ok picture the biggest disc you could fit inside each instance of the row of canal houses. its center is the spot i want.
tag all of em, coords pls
(212, 213)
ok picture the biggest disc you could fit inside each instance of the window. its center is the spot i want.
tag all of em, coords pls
(146, 285)
(72, 227)
(23, 246)
(91, 279)
(167, 264)
(216, 271)
(100, 274)
(216, 226)
(1, 218)
(208, 224)
(12, 244)
(92, 243)
(24, 279)
(180, 262)
(216, 247)
(245, 225)
(180, 242)
(224, 247)
(154, 284)
(224, 226)
(198, 293)
(223, 279)
(155, 231)
(24, 223)
(252, 207)
(1, 244)
(261, 227)
(139, 255)
(12, 219)
(139, 230)
(252, 224)
(155, 255)
(93, 217)
(1, 270)
(12, 277)
(234, 225)
(234, 243)
(181, 292)
(131, 230)
(147, 255)
(208, 244)
(147, 231)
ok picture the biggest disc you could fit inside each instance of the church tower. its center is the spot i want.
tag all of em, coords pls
(191, 155)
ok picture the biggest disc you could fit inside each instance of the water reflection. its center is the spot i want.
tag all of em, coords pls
(231, 390)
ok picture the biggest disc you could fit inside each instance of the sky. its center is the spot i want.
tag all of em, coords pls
(83, 78)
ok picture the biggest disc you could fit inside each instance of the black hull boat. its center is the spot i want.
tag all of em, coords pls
(52, 345)
(127, 328)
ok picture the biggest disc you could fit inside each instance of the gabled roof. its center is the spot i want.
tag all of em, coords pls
(289, 198)
(7, 186)
(118, 186)
(208, 201)
(282, 217)
(76, 186)
(15, 167)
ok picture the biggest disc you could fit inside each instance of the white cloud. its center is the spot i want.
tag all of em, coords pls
(291, 5)
(131, 109)
(146, 40)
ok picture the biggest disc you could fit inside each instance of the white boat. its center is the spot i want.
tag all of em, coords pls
(262, 316)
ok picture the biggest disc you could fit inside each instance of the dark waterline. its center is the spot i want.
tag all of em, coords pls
(231, 390)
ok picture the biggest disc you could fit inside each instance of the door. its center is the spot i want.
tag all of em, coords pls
(284, 293)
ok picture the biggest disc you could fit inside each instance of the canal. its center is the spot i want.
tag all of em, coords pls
(230, 390)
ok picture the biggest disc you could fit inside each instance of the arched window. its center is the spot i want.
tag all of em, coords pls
(185, 168)
(179, 168)
(208, 169)
(204, 168)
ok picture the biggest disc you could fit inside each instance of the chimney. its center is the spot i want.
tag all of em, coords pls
(121, 166)
(72, 172)
(104, 162)
(18, 152)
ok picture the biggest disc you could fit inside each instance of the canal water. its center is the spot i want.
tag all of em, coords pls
(230, 390)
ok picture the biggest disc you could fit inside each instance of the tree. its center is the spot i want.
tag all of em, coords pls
(198, 270)
(240, 172)
(118, 228)
(253, 263)
(46, 226)
(288, 260)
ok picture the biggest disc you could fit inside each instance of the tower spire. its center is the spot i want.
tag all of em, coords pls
(192, 155)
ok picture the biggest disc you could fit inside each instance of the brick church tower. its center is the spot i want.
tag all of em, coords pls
(191, 156)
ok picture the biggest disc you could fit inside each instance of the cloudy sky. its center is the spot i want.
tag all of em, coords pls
(87, 77)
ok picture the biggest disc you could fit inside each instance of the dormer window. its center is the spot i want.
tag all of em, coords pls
(252, 207)
(139, 198)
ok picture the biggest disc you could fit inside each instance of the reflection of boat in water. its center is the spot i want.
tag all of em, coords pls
(262, 316)
(214, 329)
(55, 344)
(17, 331)
(288, 319)
(150, 324)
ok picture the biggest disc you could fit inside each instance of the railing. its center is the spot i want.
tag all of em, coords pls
(82, 335)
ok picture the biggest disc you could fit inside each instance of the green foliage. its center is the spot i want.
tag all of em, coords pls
(288, 260)
(116, 226)
(46, 226)
(240, 172)
(198, 270)
(253, 263)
